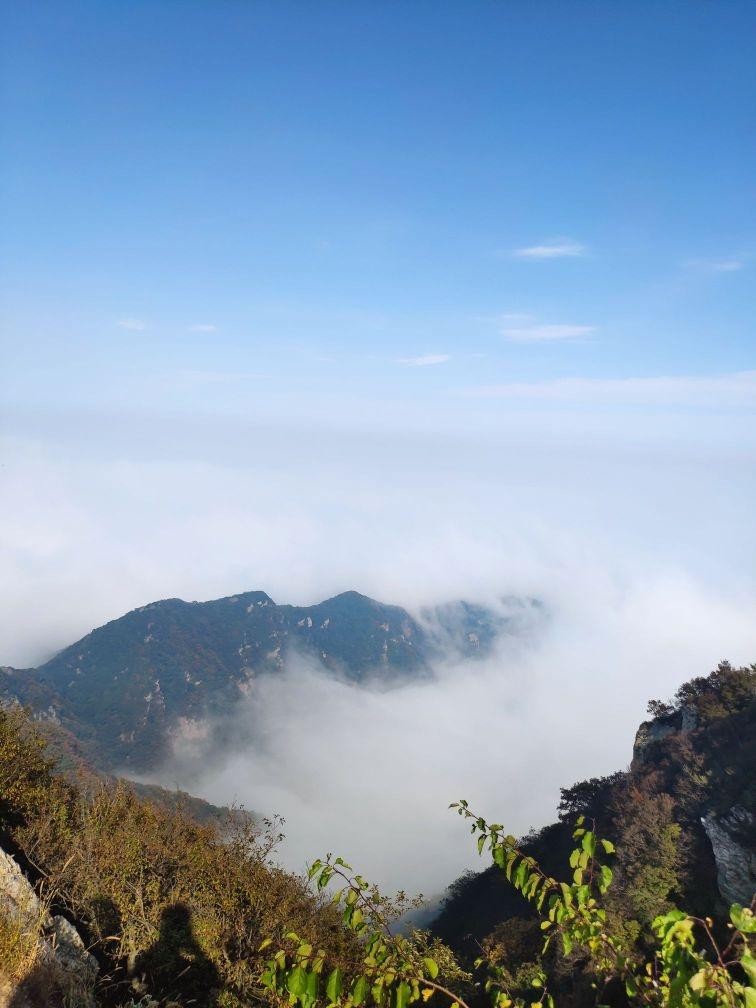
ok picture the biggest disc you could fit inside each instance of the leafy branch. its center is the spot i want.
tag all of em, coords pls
(391, 970)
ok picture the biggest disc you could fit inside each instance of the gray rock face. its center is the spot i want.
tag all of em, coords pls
(649, 732)
(683, 720)
(736, 863)
(53, 968)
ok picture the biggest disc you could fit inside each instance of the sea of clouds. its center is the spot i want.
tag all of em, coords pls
(637, 537)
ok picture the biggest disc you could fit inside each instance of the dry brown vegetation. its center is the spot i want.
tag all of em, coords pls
(121, 868)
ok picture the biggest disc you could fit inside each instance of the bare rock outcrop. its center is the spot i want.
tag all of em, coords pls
(43, 961)
(735, 860)
(683, 720)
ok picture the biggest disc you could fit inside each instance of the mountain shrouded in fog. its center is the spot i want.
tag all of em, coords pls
(129, 688)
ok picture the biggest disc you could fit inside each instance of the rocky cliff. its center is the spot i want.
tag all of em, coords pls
(730, 836)
(682, 816)
(43, 960)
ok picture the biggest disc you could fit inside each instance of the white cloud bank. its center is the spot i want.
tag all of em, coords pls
(369, 773)
(642, 547)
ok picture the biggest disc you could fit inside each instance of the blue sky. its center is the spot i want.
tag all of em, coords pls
(293, 290)
(262, 208)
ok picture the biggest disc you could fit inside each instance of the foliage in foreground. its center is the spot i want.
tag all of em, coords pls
(687, 969)
(177, 913)
(169, 907)
(692, 764)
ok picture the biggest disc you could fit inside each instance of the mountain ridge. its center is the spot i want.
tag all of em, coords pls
(161, 668)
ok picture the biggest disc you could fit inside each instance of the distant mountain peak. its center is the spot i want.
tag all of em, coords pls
(206, 656)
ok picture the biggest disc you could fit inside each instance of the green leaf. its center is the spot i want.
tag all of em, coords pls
(481, 843)
(360, 990)
(608, 846)
(431, 967)
(312, 985)
(402, 995)
(296, 981)
(520, 875)
(698, 981)
(333, 986)
(268, 978)
(748, 962)
(743, 919)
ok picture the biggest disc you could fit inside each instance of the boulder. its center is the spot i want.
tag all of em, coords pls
(43, 963)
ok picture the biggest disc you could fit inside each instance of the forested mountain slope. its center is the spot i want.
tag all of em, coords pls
(127, 686)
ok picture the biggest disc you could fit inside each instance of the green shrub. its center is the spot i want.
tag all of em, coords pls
(394, 971)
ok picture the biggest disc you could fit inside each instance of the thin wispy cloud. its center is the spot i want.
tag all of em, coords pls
(558, 249)
(425, 360)
(131, 324)
(716, 265)
(512, 318)
(198, 377)
(203, 327)
(547, 333)
(728, 390)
